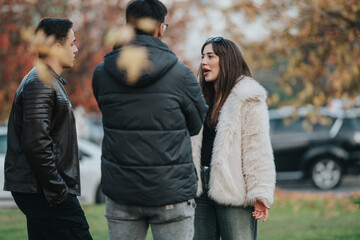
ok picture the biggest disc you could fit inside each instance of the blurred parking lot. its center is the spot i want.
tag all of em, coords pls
(349, 184)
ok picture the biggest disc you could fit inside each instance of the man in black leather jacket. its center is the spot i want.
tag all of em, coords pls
(41, 163)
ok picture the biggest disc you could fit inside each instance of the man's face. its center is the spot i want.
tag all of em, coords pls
(68, 51)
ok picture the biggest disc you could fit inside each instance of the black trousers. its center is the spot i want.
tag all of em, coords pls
(65, 221)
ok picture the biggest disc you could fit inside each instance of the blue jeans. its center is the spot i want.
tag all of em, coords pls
(128, 222)
(213, 220)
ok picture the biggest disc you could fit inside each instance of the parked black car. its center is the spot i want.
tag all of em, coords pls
(322, 148)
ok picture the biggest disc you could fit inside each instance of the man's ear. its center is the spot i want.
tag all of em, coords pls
(159, 31)
(57, 44)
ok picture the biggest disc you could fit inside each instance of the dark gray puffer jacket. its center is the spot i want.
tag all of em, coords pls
(146, 150)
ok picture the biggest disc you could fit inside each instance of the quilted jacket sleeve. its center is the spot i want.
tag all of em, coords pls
(194, 107)
(38, 103)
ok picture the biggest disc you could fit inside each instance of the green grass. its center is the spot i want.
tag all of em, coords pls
(310, 224)
(13, 223)
(293, 216)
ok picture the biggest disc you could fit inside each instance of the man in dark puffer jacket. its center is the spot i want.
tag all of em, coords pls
(147, 171)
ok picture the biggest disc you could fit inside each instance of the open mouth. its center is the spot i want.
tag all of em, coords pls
(206, 71)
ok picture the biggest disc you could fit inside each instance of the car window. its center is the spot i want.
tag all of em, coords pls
(324, 125)
(3, 144)
(356, 123)
(288, 126)
(299, 125)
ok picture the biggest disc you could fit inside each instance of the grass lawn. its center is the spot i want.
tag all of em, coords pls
(295, 216)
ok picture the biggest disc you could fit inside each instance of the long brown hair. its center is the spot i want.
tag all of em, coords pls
(232, 67)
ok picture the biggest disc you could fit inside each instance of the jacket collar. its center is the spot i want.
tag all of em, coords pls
(57, 76)
(159, 55)
(247, 88)
(152, 42)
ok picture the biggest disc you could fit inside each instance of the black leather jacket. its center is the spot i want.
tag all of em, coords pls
(42, 152)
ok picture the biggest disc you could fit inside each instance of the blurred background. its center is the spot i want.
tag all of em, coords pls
(305, 53)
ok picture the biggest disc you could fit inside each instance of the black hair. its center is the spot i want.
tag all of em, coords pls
(153, 9)
(57, 27)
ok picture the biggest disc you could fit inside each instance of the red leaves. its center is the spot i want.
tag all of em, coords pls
(4, 41)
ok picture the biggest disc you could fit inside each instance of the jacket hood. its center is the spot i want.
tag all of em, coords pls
(161, 58)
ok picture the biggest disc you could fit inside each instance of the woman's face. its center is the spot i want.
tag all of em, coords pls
(210, 64)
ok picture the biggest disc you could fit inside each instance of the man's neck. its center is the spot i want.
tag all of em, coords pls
(55, 65)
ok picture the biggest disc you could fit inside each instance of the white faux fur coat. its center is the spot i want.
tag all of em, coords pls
(242, 167)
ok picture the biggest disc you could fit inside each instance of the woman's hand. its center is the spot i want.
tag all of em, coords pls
(261, 210)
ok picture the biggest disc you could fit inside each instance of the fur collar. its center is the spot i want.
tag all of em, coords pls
(247, 88)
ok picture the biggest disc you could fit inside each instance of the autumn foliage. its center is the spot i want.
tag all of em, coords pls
(310, 56)
(314, 47)
(92, 20)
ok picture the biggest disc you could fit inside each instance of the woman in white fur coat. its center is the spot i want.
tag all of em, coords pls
(232, 153)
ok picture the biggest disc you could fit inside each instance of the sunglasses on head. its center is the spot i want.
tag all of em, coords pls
(216, 40)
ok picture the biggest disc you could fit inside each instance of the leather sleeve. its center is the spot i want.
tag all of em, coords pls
(195, 107)
(38, 104)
